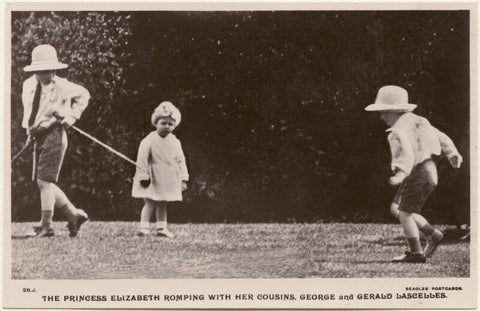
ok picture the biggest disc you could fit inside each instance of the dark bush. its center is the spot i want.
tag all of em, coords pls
(272, 107)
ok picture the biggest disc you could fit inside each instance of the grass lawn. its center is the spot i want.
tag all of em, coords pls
(111, 250)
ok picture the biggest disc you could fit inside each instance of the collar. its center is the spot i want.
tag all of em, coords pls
(391, 128)
(404, 119)
(45, 88)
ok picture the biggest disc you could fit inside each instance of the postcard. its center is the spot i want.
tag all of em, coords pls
(259, 155)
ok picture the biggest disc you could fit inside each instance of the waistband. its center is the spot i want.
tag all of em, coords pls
(52, 129)
(424, 163)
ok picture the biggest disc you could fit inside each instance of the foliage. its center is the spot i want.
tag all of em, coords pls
(96, 48)
(272, 106)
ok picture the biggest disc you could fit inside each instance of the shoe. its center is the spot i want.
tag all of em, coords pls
(165, 233)
(432, 243)
(464, 232)
(75, 224)
(39, 231)
(410, 257)
(143, 231)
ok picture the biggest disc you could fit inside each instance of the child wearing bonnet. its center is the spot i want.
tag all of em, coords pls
(160, 152)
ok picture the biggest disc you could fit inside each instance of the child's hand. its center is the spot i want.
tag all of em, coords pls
(68, 121)
(145, 183)
(184, 185)
(30, 138)
(456, 161)
(397, 179)
(41, 126)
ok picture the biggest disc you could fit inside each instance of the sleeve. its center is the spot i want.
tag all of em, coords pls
(142, 160)
(182, 165)
(447, 145)
(402, 154)
(79, 99)
(27, 109)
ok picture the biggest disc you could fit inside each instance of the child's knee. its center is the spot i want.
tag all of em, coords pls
(149, 203)
(404, 215)
(161, 205)
(42, 184)
(394, 210)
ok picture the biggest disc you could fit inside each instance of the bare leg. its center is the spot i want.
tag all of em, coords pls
(434, 236)
(63, 203)
(161, 214)
(394, 210)
(162, 221)
(422, 224)
(146, 214)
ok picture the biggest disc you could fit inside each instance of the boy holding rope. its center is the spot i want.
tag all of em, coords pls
(45, 96)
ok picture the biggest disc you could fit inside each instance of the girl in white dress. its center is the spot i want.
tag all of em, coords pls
(161, 152)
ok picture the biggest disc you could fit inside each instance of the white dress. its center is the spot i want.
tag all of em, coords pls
(166, 165)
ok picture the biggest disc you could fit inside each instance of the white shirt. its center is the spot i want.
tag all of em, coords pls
(413, 140)
(60, 95)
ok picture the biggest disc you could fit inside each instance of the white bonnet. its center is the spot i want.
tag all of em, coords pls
(166, 109)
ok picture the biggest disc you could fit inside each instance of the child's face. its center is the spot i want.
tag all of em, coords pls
(165, 126)
(46, 76)
(389, 117)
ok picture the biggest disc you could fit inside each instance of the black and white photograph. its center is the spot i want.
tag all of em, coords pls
(170, 155)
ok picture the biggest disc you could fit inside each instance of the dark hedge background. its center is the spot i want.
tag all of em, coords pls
(272, 107)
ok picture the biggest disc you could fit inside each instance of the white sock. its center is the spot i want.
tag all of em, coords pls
(161, 225)
(144, 225)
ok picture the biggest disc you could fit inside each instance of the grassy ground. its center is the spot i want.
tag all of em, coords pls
(110, 250)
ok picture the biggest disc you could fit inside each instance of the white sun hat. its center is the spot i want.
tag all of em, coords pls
(391, 97)
(44, 57)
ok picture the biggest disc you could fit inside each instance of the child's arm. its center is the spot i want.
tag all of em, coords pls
(402, 157)
(180, 159)
(43, 124)
(449, 149)
(79, 101)
(26, 112)
(397, 178)
(142, 161)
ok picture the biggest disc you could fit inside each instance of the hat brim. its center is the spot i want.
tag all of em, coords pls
(43, 67)
(383, 107)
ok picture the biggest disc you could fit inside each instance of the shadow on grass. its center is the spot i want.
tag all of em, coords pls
(451, 236)
(21, 237)
(352, 261)
(396, 241)
(26, 237)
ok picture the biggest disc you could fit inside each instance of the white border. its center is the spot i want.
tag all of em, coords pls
(464, 299)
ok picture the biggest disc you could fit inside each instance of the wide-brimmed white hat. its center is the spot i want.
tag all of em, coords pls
(391, 97)
(44, 57)
(166, 109)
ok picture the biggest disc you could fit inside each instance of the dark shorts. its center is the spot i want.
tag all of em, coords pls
(48, 155)
(417, 187)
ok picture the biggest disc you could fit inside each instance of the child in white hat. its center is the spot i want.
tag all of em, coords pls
(412, 141)
(45, 95)
(161, 152)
